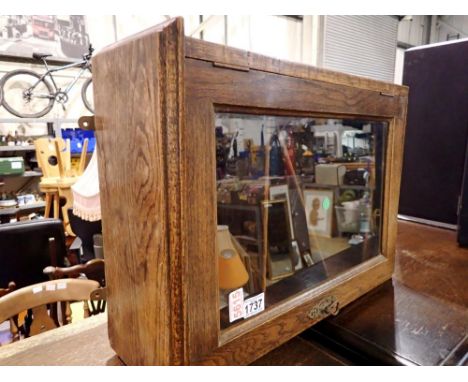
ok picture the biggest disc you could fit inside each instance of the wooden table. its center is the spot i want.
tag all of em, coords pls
(420, 317)
(82, 343)
(85, 343)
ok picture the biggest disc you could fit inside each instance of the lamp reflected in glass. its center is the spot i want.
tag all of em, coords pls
(232, 272)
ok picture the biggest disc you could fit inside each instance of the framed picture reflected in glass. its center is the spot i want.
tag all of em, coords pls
(319, 211)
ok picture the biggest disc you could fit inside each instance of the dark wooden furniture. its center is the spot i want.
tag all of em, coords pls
(10, 288)
(156, 95)
(418, 318)
(93, 270)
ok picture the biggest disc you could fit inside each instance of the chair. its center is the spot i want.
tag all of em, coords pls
(37, 296)
(54, 158)
(11, 287)
(26, 248)
(93, 270)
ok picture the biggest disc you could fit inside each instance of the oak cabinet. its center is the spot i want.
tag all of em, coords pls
(243, 198)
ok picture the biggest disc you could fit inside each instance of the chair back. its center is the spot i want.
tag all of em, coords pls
(37, 296)
(93, 270)
(10, 288)
(52, 156)
(26, 249)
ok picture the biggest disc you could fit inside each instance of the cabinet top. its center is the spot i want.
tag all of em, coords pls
(238, 59)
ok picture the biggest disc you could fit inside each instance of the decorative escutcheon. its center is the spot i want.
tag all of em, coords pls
(326, 307)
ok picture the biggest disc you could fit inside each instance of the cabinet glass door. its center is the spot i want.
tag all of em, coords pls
(299, 201)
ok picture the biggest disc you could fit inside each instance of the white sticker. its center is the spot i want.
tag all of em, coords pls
(16, 165)
(254, 305)
(37, 289)
(236, 305)
(61, 286)
(50, 287)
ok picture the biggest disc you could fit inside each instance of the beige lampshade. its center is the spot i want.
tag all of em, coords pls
(232, 272)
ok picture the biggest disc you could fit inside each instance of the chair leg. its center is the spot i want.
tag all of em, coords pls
(86, 312)
(56, 198)
(48, 205)
(67, 194)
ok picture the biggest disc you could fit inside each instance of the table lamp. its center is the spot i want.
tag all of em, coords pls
(232, 272)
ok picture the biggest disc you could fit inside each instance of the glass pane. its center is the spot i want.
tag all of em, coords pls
(299, 201)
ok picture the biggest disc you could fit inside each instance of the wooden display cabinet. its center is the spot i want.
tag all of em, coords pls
(163, 104)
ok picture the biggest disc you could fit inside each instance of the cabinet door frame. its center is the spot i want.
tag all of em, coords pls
(212, 87)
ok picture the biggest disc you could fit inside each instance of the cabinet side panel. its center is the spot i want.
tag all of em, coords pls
(133, 89)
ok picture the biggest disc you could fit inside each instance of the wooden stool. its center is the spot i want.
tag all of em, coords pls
(54, 158)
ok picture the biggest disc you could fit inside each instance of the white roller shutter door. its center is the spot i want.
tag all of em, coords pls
(361, 45)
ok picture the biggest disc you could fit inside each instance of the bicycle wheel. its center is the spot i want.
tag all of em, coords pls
(26, 95)
(87, 94)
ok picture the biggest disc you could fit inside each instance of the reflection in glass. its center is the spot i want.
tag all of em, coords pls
(300, 198)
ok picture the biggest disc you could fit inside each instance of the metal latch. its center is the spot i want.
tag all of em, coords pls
(326, 307)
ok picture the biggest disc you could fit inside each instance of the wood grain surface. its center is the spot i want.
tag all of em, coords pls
(139, 114)
(211, 52)
(84, 343)
(155, 116)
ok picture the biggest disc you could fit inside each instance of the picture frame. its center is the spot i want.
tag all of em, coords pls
(281, 258)
(319, 204)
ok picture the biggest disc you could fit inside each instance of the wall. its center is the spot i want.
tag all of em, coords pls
(422, 30)
(304, 39)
